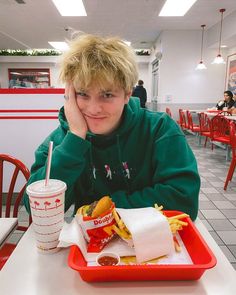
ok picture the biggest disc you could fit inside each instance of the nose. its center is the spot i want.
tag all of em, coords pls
(94, 106)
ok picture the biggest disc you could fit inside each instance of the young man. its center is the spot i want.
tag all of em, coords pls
(107, 145)
(140, 91)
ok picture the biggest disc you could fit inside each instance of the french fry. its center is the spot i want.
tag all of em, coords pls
(122, 233)
(174, 222)
(175, 225)
(118, 220)
(120, 229)
(176, 244)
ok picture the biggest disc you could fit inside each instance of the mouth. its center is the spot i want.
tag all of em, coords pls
(95, 118)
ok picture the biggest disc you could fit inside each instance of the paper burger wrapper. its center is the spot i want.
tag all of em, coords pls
(150, 230)
(93, 229)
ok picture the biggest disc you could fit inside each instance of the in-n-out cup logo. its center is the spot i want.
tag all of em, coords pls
(47, 210)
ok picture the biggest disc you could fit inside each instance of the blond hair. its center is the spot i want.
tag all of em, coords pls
(106, 61)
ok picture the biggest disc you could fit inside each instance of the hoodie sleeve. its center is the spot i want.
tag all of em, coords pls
(68, 162)
(175, 181)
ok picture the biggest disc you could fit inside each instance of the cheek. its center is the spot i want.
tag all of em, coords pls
(80, 103)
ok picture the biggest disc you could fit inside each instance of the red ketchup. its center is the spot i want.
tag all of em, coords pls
(107, 261)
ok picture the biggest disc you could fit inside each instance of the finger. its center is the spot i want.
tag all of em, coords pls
(66, 95)
(71, 92)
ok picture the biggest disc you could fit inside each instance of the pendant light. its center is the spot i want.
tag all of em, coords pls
(219, 59)
(201, 65)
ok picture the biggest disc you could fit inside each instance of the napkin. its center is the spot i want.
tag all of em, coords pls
(71, 234)
(150, 232)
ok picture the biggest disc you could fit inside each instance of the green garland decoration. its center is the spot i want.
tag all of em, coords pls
(18, 52)
(143, 52)
(50, 52)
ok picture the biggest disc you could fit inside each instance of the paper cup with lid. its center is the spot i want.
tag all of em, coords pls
(47, 204)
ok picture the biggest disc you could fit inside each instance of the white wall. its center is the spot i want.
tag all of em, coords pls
(178, 77)
(51, 62)
(21, 137)
(29, 62)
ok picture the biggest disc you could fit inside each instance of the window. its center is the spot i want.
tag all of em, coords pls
(29, 78)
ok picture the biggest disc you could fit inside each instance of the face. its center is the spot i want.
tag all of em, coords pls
(102, 108)
(226, 97)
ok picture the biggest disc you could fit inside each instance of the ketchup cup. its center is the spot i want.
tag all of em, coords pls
(107, 259)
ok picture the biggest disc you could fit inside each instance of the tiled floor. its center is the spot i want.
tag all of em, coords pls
(217, 207)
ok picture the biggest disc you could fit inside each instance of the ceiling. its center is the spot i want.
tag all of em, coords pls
(33, 24)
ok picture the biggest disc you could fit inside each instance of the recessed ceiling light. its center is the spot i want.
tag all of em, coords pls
(127, 42)
(223, 46)
(70, 7)
(176, 8)
(59, 45)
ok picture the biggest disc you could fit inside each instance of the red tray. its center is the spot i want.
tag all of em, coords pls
(201, 255)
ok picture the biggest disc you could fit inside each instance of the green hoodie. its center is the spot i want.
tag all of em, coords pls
(146, 160)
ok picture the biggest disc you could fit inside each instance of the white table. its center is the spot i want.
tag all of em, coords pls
(7, 226)
(196, 111)
(29, 273)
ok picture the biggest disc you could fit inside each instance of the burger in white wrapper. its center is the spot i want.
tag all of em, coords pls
(93, 220)
(150, 232)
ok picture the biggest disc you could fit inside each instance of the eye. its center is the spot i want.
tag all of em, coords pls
(107, 95)
(81, 93)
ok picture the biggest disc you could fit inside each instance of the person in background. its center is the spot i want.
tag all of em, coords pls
(228, 101)
(140, 92)
(107, 145)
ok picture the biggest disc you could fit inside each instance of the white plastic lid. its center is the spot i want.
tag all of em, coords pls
(38, 188)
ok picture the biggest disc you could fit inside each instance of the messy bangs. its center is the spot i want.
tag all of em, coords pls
(92, 59)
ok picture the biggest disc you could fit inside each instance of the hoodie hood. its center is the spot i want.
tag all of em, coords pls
(131, 114)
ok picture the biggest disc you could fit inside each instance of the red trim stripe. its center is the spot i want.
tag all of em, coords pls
(49, 224)
(53, 196)
(32, 91)
(23, 116)
(46, 242)
(48, 216)
(43, 209)
(28, 117)
(47, 234)
(29, 111)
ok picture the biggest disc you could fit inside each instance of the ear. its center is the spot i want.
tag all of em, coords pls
(127, 97)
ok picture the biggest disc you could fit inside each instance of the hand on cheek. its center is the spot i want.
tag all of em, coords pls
(75, 119)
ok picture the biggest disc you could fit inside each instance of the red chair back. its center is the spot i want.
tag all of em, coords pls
(233, 160)
(204, 122)
(220, 129)
(182, 119)
(168, 111)
(233, 138)
(13, 199)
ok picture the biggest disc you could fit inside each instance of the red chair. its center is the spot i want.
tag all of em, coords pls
(220, 129)
(233, 161)
(204, 124)
(18, 172)
(182, 119)
(168, 111)
(191, 126)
